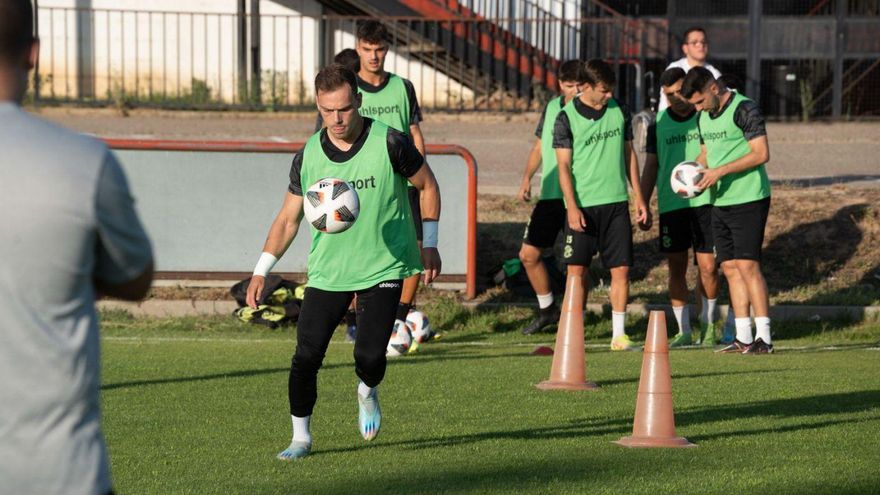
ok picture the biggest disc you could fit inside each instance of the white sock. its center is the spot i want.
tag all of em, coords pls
(744, 330)
(363, 389)
(617, 321)
(301, 431)
(762, 328)
(683, 319)
(709, 311)
(545, 300)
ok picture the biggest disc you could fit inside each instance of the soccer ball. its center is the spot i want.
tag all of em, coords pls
(685, 177)
(401, 339)
(420, 328)
(331, 205)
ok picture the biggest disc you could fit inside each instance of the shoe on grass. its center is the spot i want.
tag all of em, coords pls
(680, 340)
(759, 347)
(736, 347)
(707, 335)
(544, 319)
(297, 450)
(369, 415)
(623, 343)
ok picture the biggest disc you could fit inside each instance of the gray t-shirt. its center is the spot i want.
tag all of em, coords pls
(66, 219)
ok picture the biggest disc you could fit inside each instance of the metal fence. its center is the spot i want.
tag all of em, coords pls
(821, 65)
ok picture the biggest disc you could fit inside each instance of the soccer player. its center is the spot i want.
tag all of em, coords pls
(684, 223)
(695, 46)
(69, 233)
(370, 259)
(734, 147)
(548, 216)
(592, 137)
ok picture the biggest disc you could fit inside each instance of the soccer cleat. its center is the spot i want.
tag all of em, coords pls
(623, 343)
(351, 333)
(735, 347)
(759, 347)
(297, 450)
(543, 320)
(414, 347)
(681, 340)
(707, 335)
(369, 415)
(728, 336)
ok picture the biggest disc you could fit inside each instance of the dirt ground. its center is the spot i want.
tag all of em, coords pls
(823, 152)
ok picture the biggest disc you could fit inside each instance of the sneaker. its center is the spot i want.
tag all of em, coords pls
(707, 335)
(297, 450)
(351, 333)
(734, 347)
(543, 320)
(414, 347)
(759, 347)
(680, 340)
(369, 415)
(623, 343)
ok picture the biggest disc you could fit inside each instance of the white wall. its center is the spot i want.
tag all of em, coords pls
(135, 48)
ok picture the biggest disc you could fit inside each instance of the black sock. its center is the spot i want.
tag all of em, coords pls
(403, 310)
(351, 318)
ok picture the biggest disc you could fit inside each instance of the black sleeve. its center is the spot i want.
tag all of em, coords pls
(319, 123)
(540, 129)
(651, 139)
(415, 112)
(562, 137)
(405, 157)
(749, 118)
(627, 123)
(295, 186)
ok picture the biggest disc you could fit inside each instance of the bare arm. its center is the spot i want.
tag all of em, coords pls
(133, 290)
(429, 200)
(576, 220)
(701, 158)
(416, 132)
(631, 159)
(649, 177)
(758, 155)
(281, 234)
(532, 164)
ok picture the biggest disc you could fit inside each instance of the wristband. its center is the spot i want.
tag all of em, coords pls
(265, 264)
(429, 234)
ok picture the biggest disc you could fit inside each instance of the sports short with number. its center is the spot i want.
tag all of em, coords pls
(416, 207)
(738, 230)
(547, 220)
(608, 232)
(686, 228)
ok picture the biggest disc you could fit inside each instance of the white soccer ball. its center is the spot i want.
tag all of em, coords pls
(685, 177)
(331, 205)
(401, 339)
(420, 328)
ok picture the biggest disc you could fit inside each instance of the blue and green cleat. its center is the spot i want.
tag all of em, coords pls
(369, 415)
(680, 340)
(297, 450)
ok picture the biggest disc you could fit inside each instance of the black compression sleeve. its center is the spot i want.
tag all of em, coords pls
(405, 157)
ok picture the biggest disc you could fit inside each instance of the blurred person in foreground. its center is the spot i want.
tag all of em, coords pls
(69, 233)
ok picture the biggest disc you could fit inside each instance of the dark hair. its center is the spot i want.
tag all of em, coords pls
(696, 80)
(349, 59)
(334, 76)
(671, 76)
(597, 71)
(372, 32)
(731, 81)
(693, 29)
(569, 71)
(16, 28)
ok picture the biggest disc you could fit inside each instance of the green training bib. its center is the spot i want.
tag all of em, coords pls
(389, 106)
(549, 172)
(381, 245)
(676, 142)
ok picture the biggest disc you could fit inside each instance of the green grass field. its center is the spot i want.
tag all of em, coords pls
(200, 406)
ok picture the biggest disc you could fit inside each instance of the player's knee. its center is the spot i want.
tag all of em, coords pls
(306, 362)
(748, 268)
(529, 255)
(620, 273)
(369, 359)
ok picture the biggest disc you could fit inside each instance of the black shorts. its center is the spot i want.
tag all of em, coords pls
(738, 230)
(416, 207)
(548, 218)
(686, 228)
(609, 232)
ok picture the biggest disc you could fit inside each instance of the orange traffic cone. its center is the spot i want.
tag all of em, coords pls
(654, 424)
(568, 371)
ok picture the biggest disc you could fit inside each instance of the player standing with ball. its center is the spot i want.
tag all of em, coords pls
(369, 259)
(684, 223)
(735, 149)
